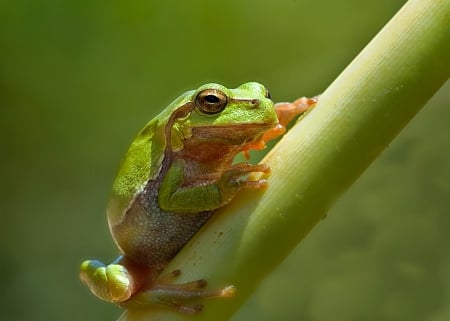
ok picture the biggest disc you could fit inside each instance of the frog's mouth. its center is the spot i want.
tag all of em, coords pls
(236, 134)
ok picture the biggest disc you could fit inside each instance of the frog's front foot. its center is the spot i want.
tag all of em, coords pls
(181, 297)
(234, 177)
(286, 112)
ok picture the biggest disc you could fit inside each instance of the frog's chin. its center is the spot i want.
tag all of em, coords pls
(236, 134)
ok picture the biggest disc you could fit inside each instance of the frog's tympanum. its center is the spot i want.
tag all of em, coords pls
(178, 170)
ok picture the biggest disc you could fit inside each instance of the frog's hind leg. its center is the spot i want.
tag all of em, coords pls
(182, 296)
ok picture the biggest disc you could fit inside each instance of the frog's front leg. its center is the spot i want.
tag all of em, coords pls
(178, 193)
(286, 112)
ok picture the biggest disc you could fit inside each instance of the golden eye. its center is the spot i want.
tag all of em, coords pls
(211, 101)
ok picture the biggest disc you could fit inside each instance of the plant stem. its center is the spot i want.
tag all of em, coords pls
(356, 118)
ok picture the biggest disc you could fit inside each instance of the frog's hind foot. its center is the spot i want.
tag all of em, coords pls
(182, 296)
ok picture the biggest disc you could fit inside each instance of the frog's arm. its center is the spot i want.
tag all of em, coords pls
(204, 197)
(286, 112)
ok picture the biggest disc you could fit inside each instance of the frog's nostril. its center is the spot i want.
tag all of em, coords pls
(253, 103)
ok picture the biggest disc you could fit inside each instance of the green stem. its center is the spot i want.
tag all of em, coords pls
(355, 119)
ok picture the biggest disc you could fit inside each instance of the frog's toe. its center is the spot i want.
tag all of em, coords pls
(179, 296)
(183, 307)
(190, 291)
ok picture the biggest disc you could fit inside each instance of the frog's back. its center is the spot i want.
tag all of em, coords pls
(140, 163)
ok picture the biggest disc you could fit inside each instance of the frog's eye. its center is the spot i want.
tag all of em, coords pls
(211, 101)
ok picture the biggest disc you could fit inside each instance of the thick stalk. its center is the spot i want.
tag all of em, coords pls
(356, 118)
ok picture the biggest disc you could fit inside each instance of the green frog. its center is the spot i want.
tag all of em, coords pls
(178, 170)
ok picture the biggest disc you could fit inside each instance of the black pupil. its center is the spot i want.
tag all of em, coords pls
(211, 99)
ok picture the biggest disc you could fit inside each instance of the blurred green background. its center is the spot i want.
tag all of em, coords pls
(79, 78)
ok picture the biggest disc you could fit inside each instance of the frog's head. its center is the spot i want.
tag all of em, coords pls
(227, 116)
(211, 122)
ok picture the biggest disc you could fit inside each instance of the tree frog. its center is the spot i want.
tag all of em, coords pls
(178, 170)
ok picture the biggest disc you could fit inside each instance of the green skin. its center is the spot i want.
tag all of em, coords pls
(177, 171)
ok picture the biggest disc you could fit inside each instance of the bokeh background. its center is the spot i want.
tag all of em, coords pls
(79, 78)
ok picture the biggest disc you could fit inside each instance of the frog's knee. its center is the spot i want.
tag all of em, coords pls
(111, 283)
